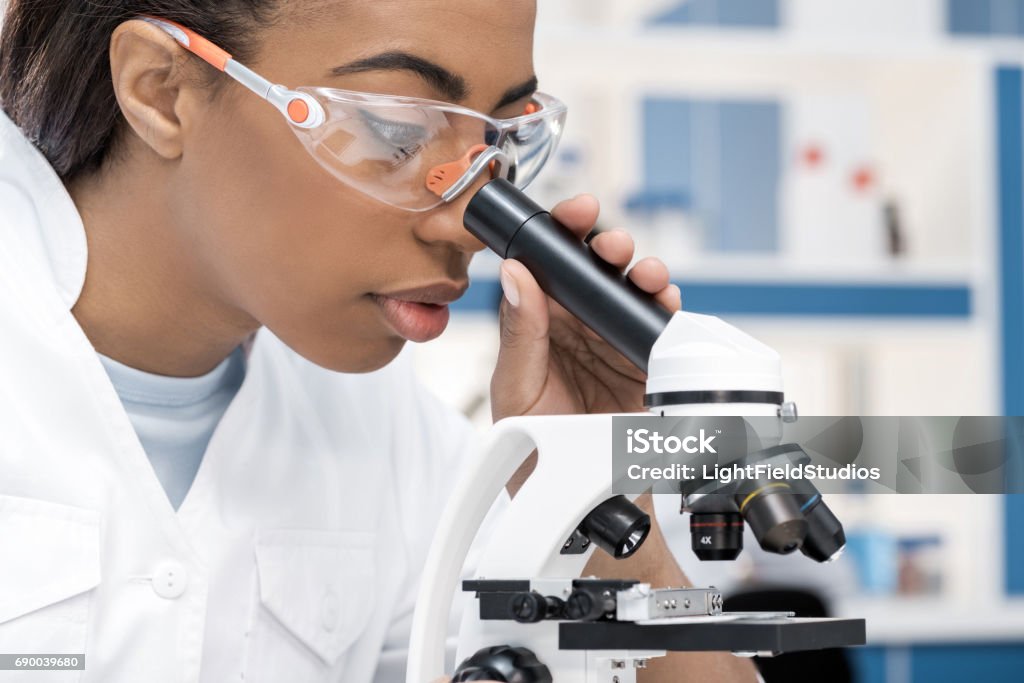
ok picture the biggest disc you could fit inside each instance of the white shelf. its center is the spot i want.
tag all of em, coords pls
(777, 268)
(770, 43)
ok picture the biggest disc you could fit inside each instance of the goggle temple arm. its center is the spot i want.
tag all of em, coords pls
(301, 109)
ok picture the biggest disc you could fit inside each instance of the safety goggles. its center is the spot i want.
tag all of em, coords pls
(410, 153)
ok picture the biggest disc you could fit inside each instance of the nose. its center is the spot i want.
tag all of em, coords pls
(444, 224)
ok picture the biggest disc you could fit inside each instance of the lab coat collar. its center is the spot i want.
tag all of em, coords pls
(61, 231)
(60, 225)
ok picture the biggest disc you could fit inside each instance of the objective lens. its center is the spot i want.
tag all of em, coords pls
(774, 516)
(825, 536)
(716, 536)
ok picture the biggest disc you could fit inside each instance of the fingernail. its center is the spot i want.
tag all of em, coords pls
(508, 286)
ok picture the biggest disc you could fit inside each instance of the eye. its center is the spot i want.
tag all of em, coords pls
(406, 139)
(524, 133)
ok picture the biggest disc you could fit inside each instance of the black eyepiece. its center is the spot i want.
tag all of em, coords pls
(593, 290)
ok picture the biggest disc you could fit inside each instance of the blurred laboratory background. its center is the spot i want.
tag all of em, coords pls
(843, 180)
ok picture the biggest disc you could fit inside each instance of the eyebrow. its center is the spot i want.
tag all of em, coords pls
(518, 92)
(452, 86)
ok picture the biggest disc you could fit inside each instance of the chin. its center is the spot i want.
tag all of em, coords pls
(349, 357)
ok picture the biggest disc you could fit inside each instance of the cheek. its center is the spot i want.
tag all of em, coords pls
(286, 242)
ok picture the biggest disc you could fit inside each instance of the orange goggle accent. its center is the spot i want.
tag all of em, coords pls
(441, 177)
(201, 47)
(298, 111)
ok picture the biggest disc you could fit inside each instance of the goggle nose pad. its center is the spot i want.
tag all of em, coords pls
(443, 176)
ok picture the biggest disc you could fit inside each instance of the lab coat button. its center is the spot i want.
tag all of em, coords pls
(331, 611)
(170, 580)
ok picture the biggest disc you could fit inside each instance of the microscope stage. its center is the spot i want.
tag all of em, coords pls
(753, 635)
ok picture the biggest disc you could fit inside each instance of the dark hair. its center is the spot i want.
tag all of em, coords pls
(55, 80)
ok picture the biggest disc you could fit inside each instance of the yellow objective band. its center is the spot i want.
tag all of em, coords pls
(758, 491)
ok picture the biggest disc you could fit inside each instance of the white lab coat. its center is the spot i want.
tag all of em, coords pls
(296, 553)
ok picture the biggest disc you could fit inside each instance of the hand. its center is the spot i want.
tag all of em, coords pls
(549, 362)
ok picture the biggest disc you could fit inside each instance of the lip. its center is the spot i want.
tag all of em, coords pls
(420, 314)
(440, 293)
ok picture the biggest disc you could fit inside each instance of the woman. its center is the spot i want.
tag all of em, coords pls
(216, 462)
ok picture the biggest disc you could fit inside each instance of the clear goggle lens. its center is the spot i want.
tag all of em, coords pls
(404, 151)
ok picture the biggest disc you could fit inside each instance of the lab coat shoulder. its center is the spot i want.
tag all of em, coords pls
(42, 242)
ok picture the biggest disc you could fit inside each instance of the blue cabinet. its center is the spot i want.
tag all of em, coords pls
(723, 155)
(738, 13)
(1014, 516)
(939, 663)
(985, 17)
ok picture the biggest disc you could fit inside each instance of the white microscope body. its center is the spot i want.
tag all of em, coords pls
(696, 353)
(529, 595)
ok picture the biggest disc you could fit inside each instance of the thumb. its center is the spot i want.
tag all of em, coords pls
(522, 365)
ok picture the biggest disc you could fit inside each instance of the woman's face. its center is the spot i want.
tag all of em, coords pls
(329, 270)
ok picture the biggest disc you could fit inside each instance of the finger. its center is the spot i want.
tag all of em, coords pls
(671, 298)
(650, 274)
(579, 214)
(521, 370)
(615, 246)
(524, 306)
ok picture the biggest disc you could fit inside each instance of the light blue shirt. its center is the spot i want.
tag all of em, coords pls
(174, 417)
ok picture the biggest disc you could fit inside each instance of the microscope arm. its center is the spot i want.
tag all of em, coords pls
(532, 530)
(474, 493)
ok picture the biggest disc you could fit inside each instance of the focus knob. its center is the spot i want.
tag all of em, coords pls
(588, 605)
(505, 664)
(528, 608)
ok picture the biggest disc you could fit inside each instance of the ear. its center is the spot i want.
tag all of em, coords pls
(150, 84)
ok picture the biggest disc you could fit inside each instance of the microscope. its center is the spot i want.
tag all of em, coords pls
(533, 619)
